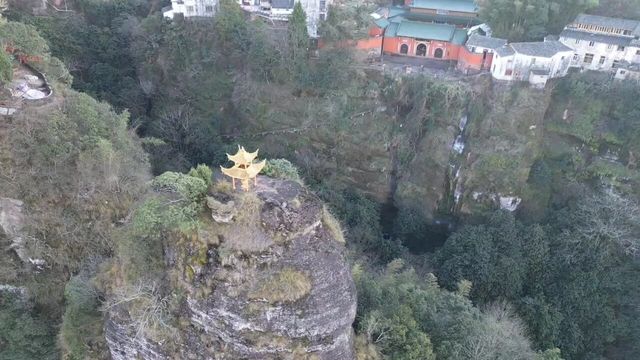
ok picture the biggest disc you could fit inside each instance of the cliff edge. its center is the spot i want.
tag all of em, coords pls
(266, 278)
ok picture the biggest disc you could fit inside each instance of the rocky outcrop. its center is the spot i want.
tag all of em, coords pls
(12, 223)
(276, 285)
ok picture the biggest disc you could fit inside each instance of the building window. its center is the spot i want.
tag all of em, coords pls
(577, 41)
(620, 48)
(638, 52)
(421, 50)
(404, 49)
(322, 17)
(609, 46)
(190, 9)
(622, 72)
(602, 59)
(208, 8)
(591, 43)
(323, 4)
(616, 64)
(508, 72)
(576, 57)
(588, 58)
(627, 32)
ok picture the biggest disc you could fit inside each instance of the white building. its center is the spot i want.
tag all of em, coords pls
(535, 62)
(273, 10)
(191, 8)
(280, 10)
(602, 43)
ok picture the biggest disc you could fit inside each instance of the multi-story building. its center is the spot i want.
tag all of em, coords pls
(535, 62)
(602, 43)
(273, 10)
(191, 8)
(280, 10)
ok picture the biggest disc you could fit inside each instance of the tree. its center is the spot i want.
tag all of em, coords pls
(6, 67)
(24, 38)
(24, 335)
(519, 20)
(298, 41)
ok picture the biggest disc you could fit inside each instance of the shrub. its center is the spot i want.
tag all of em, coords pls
(282, 169)
(191, 188)
(23, 334)
(81, 332)
(202, 172)
(6, 67)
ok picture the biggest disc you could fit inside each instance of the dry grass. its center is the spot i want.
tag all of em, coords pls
(288, 285)
(222, 186)
(365, 350)
(331, 223)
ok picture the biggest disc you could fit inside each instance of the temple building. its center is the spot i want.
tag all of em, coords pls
(604, 44)
(433, 29)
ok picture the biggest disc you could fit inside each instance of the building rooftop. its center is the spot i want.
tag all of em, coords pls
(381, 23)
(420, 30)
(448, 5)
(391, 30)
(599, 38)
(540, 72)
(540, 49)
(282, 4)
(485, 41)
(506, 50)
(616, 23)
(459, 37)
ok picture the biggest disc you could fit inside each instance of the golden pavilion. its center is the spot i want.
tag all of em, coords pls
(244, 169)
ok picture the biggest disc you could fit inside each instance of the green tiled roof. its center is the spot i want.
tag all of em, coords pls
(391, 30)
(396, 10)
(381, 23)
(459, 37)
(420, 30)
(449, 5)
(444, 19)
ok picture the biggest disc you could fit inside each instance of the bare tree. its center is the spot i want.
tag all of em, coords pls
(609, 217)
(148, 310)
(501, 335)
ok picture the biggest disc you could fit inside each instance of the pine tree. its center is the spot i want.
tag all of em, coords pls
(298, 39)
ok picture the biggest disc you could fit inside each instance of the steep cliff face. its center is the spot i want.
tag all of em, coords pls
(271, 283)
(390, 137)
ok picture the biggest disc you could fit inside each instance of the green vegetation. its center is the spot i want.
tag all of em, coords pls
(410, 317)
(81, 333)
(24, 335)
(6, 67)
(560, 280)
(569, 280)
(281, 169)
(531, 19)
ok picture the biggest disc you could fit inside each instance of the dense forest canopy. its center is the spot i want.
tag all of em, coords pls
(142, 95)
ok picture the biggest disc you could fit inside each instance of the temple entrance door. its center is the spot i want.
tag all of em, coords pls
(439, 53)
(421, 50)
(404, 49)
